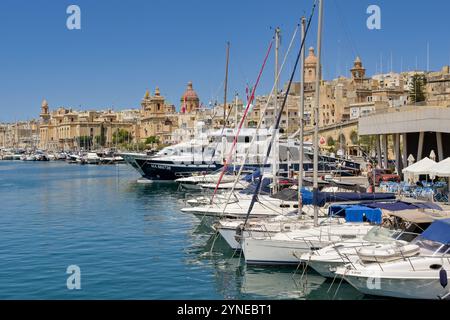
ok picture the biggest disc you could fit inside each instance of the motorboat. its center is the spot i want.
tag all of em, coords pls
(281, 248)
(197, 181)
(326, 260)
(209, 149)
(422, 276)
(286, 247)
(232, 230)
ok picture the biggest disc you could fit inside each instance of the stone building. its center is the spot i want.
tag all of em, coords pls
(23, 134)
(66, 129)
(438, 87)
(158, 119)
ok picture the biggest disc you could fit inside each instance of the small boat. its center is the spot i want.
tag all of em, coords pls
(422, 276)
(326, 260)
(386, 252)
(197, 181)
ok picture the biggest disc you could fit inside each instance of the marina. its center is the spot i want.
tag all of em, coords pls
(141, 241)
(315, 189)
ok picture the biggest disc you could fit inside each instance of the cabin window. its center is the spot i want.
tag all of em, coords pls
(247, 139)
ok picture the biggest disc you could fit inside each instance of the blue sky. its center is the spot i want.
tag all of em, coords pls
(126, 47)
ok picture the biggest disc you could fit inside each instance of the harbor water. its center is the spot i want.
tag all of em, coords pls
(130, 241)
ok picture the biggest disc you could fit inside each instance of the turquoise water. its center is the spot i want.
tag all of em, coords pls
(130, 241)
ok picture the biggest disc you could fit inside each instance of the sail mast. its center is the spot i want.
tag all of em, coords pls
(226, 86)
(275, 112)
(301, 115)
(316, 115)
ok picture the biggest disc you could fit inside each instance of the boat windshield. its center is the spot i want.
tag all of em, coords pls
(432, 246)
(380, 234)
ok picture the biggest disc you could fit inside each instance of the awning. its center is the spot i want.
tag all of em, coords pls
(418, 216)
(419, 168)
(441, 169)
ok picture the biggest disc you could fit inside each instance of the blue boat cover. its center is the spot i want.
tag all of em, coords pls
(252, 176)
(438, 231)
(357, 213)
(324, 197)
(307, 196)
(402, 205)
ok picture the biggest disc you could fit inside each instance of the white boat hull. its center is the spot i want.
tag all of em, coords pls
(287, 248)
(399, 288)
(269, 252)
(325, 268)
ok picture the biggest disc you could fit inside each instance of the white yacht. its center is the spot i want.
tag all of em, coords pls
(286, 247)
(326, 260)
(424, 276)
(209, 149)
(197, 181)
(283, 247)
(232, 229)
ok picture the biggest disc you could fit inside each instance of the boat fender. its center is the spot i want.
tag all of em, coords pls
(239, 232)
(443, 279)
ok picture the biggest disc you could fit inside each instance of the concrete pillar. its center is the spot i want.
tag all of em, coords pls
(405, 149)
(439, 146)
(378, 145)
(420, 146)
(398, 162)
(385, 150)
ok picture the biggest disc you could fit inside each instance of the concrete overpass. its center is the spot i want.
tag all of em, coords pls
(416, 130)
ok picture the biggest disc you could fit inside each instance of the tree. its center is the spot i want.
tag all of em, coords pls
(100, 140)
(122, 136)
(330, 141)
(368, 143)
(152, 140)
(354, 137)
(417, 88)
(252, 124)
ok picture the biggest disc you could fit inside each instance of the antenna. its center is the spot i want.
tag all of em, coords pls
(392, 63)
(381, 63)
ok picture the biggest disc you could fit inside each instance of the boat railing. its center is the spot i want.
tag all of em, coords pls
(444, 257)
(263, 229)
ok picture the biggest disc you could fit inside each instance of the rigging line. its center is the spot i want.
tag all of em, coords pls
(344, 27)
(271, 95)
(242, 119)
(277, 124)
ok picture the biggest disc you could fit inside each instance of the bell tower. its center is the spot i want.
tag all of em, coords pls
(45, 115)
(310, 66)
(358, 72)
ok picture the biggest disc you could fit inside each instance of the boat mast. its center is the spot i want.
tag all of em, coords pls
(275, 111)
(301, 115)
(226, 86)
(236, 110)
(316, 116)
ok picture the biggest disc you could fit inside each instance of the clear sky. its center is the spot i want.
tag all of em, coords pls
(126, 47)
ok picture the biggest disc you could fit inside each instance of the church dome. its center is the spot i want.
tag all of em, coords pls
(44, 103)
(190, 93)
